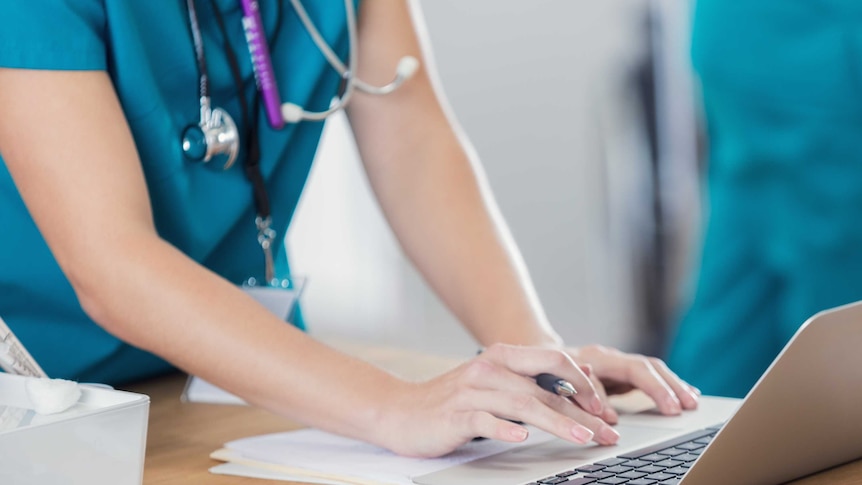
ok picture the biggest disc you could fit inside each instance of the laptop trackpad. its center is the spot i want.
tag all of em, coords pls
(529, 463)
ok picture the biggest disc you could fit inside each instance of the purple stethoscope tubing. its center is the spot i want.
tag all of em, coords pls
(262, 62)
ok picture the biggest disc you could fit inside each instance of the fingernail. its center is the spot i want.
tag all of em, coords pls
(582, 433)
(519, 433)
(693, 398)
(608, 435)
(597, 405)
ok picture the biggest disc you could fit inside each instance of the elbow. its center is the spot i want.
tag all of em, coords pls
(93, 300)
(98, 292)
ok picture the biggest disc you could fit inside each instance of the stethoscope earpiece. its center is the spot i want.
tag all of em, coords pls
(406, 68)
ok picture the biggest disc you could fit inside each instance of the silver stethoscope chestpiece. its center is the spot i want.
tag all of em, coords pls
(215, 136)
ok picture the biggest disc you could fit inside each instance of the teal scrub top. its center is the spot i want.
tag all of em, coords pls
(782, 94)
(146, 48)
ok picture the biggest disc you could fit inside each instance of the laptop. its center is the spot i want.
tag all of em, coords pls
(802, 416)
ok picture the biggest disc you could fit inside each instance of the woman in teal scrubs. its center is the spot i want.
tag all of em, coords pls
(121, 255)
(782, 89)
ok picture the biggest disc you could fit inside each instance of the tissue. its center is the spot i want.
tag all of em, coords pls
(52, 396)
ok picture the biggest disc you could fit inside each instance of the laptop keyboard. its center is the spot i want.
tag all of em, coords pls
(661, 464)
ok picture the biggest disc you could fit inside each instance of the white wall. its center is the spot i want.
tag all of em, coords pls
(536, 86)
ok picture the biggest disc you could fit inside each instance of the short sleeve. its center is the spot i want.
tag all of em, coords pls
(53, 34)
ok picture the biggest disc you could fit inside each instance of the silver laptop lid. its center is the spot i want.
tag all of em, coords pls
(803, 415)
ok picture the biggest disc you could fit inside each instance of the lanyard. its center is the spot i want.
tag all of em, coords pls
(251, 163)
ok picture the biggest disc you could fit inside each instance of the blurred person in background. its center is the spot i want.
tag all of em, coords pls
(782, 93)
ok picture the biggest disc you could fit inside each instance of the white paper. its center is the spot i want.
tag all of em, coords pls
(199, 390)
(322, 452)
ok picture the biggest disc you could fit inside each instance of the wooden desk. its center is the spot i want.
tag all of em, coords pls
(182, 435)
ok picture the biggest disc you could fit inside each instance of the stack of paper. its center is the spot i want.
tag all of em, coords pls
(313, 456)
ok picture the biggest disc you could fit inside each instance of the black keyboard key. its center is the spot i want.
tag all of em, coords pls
(669, 463)
(635, 463)
(590, 468)
(616, 469)
(599, 475)
(631, 475)
(610, 461)
(688, 457)
(677, 470)
(641, 481)
(704, 441)
(552, 480)
(612, 481)
(580, 481)
(652, 457)
(690, 446)
(672, 481)
(661, 476)
(567, 474)
(695, 435)
(651, 469)
(671, 452)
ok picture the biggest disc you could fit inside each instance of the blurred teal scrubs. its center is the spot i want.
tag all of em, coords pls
(782, 90)
(146, 48)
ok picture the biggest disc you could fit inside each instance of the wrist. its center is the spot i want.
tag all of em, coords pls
(532, 336)
(389, 427)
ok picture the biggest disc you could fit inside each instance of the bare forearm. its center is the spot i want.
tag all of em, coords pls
(433, 192)
(437, 201)
(208, 327)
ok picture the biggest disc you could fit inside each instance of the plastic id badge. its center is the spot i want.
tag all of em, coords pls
(281, 300)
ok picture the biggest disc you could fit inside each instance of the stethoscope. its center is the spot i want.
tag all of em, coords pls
(217, 135)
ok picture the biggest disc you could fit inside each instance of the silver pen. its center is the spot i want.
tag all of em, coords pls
(557, 385)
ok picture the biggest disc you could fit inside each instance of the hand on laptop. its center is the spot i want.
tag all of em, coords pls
(616, 372)
(492, 394)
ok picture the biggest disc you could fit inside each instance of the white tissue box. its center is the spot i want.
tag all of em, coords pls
(101, 440)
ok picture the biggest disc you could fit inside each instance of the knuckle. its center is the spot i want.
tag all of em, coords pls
(476, 421)
(559, 358)
(638, 365)
(657, 363)
(476, 370)
(642, 362)
(597, 349)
